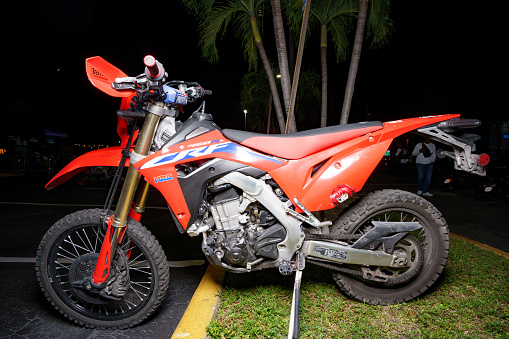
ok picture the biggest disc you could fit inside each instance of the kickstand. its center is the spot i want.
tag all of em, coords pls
(293, 330)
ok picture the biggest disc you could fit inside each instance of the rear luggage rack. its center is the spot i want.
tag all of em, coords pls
(463, 146)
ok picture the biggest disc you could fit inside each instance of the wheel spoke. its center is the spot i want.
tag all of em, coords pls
(85, 245)
(71, 249)
(139, 270)
(71, 254)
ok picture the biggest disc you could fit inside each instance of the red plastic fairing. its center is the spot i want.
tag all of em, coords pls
(313, 180)
(101, 74)
(102, 157)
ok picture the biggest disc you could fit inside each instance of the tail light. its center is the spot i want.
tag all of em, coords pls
(483, 159)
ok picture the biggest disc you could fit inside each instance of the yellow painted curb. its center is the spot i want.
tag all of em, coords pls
(202, 306)
(481, 245)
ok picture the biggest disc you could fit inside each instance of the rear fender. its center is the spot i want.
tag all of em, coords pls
(462, 153)
(110, 156)
(319, 180)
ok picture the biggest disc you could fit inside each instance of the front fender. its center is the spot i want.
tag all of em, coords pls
(110, 156)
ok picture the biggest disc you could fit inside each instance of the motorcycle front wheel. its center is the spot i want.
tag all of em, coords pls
(427, 249)
(67, 255)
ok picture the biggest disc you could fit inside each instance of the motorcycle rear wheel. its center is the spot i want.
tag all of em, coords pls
(395, 205)
(70, 248)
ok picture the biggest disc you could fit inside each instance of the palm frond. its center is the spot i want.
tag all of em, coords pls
(213, 27)
(379, 25)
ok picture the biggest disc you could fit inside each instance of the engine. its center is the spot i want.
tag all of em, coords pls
(244, 232)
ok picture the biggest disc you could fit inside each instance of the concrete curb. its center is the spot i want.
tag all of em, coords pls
(202, 307)
(481, 245)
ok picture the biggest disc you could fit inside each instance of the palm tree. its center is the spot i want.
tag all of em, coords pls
(282, 54)
(380, 26)
(290, 123)
(332, 17)
(308, 94)
(255, 96)
(242, 14)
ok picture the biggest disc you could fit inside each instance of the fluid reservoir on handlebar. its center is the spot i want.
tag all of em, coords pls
(174, 96)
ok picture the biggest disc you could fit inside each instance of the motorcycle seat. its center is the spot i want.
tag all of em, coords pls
(301, 144)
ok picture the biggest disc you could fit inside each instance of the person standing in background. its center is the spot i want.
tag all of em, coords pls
(425, 153)
(401, 161)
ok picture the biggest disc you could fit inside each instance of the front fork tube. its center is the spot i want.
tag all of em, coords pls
(118, 222)
(140, 200)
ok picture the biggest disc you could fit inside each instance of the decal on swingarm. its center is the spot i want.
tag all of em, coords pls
(162, 178)
(227, 147)
(331, 253)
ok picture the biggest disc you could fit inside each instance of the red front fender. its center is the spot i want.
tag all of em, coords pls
(110, 156)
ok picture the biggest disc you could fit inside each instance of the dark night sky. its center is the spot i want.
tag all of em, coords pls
(442, 58)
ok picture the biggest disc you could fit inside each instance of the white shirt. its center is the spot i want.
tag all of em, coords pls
(402, 160)
(420, 157)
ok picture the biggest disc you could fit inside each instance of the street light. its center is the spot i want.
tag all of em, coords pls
(245, 119)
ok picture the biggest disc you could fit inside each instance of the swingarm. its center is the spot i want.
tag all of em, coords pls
(383, 236)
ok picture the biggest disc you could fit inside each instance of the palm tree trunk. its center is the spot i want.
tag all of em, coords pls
(282, 54)
(323, 58)
(270, 74)
(291, 126)
(272, 84)
(269, 113)
(354, 64)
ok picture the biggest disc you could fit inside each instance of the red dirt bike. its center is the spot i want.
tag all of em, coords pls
(253, 198)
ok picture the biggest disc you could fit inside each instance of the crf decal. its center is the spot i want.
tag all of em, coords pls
(227, 147)
(162, 178)
(340, 193)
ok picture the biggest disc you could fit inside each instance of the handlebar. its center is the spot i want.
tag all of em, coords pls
(154, 69)
(172, 92)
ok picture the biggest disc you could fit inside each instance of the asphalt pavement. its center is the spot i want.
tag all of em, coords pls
(486, 222)
(27, 210)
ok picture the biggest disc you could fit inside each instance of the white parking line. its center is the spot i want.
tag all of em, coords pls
(67, 205)
(181, 263)
(16, 259)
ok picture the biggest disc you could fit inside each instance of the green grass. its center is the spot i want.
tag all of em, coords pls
(470, 301)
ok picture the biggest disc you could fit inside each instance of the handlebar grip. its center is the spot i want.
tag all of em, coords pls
(152, 66)
(207, 92)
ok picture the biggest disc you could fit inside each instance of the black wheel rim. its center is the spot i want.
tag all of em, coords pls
(84, 240)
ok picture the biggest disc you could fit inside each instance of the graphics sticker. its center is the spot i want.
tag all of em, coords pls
(162, 178)
(227, 147)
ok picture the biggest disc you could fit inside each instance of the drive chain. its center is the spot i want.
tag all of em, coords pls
(335, 267)
(340, 236)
